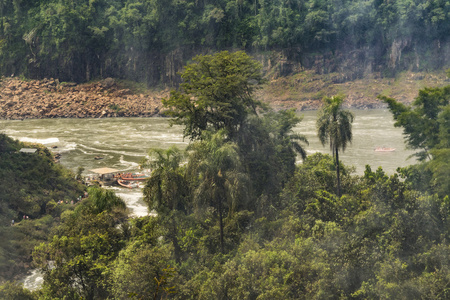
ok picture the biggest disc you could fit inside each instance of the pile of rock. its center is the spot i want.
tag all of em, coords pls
(49, 98)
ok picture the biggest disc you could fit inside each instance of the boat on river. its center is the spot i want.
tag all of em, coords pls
(384, 149)
(134, 177)
(127, 184)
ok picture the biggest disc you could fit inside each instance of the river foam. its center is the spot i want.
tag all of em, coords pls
(46, 141)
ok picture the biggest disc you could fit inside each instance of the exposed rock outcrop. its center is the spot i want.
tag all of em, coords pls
(48, 98)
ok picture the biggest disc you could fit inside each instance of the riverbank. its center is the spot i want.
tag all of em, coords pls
(305, 90)
(48, 98)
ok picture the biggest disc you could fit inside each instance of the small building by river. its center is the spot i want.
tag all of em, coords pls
(105, 176)
(28, 150)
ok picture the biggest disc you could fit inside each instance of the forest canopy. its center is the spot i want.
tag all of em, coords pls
(150, 41)
(237, 218)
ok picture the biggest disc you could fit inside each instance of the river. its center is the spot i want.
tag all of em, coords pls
(121, 142)
(124, 142)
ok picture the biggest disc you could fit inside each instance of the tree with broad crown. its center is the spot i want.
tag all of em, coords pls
(85, 243)
(217, 93)
(334, 125)
(104, 200)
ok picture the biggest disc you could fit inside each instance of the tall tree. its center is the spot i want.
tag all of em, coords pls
(268, 148)
(220, 182)
(217, 93)
(334, 125)
(166, 190)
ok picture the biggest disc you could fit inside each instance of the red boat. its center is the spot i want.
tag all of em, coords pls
(134, 177)
(384, 149)
(127, 184)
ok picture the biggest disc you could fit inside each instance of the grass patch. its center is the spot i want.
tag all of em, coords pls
(115, 107)
(137, 87)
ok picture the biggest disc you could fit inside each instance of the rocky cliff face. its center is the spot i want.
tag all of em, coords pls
(49, 98)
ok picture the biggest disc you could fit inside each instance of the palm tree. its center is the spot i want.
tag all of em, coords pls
(268, 147)
(287, 119)
(166, 190)
(334, 125)
(216, 167)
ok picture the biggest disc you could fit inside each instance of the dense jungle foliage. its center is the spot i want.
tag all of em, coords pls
(238, 219)
(31, 185)
(150, 40)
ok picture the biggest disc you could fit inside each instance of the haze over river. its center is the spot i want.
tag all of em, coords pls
(124, 142)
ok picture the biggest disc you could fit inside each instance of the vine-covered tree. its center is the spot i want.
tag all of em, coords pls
(216, 93)
(269, 148)
(76, 258)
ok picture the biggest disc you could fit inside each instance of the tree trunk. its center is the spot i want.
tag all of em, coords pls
(176, 246)
(221, 226)
(337, 173)
(1, 18)
(88, 72)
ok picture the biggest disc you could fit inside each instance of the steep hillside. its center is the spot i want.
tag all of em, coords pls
(33, 192)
